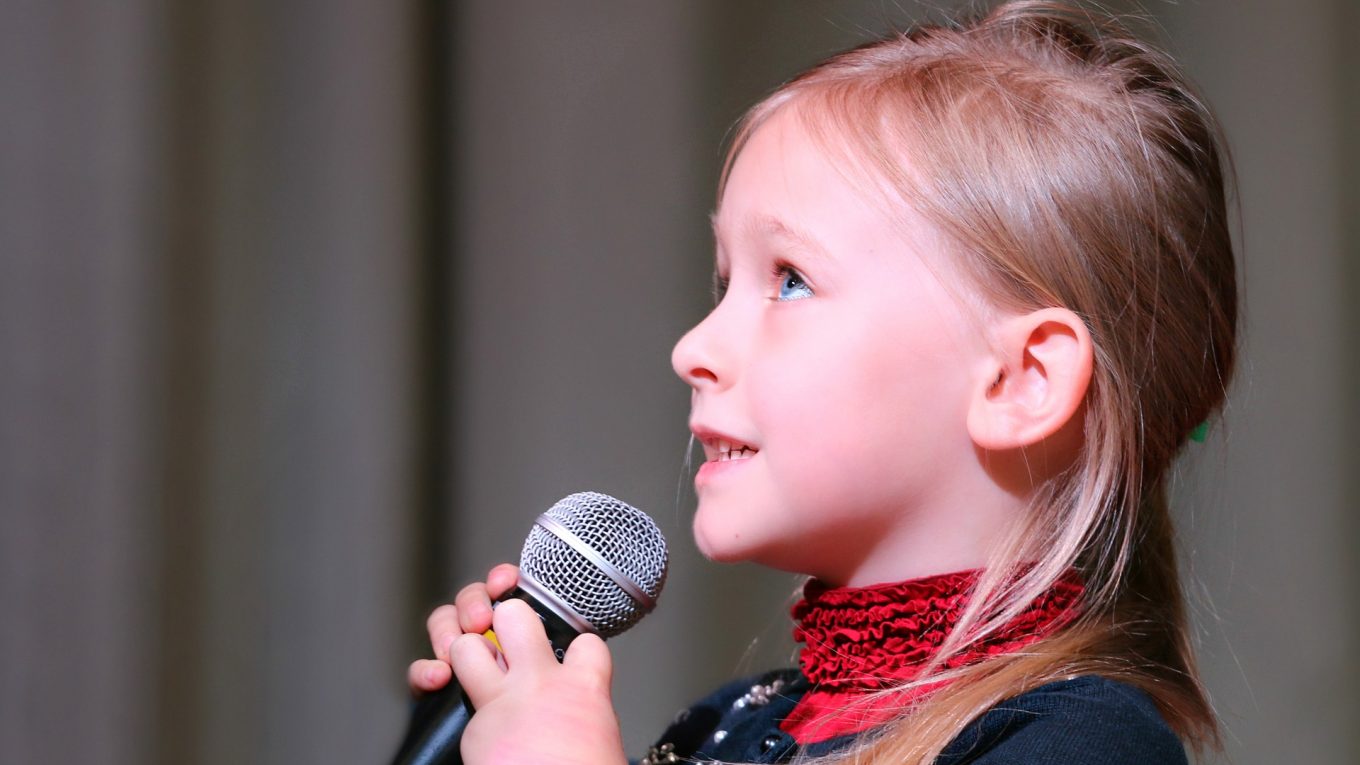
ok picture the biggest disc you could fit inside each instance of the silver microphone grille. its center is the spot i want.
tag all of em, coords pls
(597, 556)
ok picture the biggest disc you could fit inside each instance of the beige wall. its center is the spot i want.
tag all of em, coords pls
(1270, 527)
(307, 309)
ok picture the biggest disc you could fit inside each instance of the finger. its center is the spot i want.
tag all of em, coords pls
(474, 608)
(501, 580)
(474, 663)
(522, 638)
(589, 657)
(442, 625)
(426, 675)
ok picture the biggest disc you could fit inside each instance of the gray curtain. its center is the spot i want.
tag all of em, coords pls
(209, 236)
(306, 309)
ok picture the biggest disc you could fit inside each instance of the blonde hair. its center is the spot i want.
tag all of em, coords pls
(1069, 164)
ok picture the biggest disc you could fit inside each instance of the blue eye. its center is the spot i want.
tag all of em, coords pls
(791, 284)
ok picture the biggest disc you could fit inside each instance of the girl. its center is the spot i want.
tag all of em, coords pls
(975, 291)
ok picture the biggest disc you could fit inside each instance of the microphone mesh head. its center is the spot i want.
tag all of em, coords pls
(625, 537)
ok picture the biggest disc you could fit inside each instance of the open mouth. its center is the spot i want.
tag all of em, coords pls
(728, 451)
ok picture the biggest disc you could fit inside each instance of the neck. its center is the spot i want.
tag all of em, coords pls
(955, 531)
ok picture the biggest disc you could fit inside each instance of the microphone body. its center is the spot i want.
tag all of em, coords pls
(591, 563)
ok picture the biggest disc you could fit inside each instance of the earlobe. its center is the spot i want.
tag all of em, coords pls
(1036, 382)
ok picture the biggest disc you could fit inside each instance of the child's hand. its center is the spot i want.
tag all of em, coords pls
(530, 709)
(470, 612)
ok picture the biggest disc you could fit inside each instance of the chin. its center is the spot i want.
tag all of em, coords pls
(718, 545)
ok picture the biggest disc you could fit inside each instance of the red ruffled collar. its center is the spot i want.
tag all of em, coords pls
(864, 639)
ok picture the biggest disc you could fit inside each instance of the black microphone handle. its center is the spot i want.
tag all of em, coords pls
(439, 718)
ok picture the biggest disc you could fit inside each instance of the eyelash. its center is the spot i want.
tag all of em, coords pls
(719, 287)
(779, 271)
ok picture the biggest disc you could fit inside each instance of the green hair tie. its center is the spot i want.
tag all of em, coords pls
(1200, 432)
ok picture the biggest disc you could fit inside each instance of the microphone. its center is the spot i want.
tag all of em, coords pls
(591, 563)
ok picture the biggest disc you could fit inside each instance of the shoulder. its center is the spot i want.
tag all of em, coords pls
(1071, 722)
(738, 722)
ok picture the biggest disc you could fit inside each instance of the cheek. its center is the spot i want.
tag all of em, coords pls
(863, 421)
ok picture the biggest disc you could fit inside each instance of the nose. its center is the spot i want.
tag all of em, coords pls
(697, 357)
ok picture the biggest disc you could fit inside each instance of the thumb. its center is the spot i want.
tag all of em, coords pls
(589, 657)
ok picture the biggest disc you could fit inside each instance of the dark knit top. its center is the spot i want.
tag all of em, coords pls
(1084, 721)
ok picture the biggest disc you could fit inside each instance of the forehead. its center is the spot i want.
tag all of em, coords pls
(809, 193)
(795, 186)
(778, 185)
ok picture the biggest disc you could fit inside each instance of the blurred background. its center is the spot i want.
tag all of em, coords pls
(308, 308)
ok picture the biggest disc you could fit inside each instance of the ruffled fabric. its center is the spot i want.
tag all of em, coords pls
(864, 639)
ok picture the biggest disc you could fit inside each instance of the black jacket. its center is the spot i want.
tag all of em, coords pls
(1082, 721)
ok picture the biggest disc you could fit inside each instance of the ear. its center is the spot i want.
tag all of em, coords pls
(1035, 382)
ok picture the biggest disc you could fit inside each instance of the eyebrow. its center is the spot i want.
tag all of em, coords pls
(771, 228)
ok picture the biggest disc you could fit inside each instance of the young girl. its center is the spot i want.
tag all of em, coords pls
(975, 291)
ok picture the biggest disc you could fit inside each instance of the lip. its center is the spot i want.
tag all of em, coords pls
(709, 438)
(712, 468)
(712, 471)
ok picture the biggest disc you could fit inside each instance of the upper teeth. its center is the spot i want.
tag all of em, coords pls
(729, 451)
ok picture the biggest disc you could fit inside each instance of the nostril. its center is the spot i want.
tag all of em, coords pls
(700, 373)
